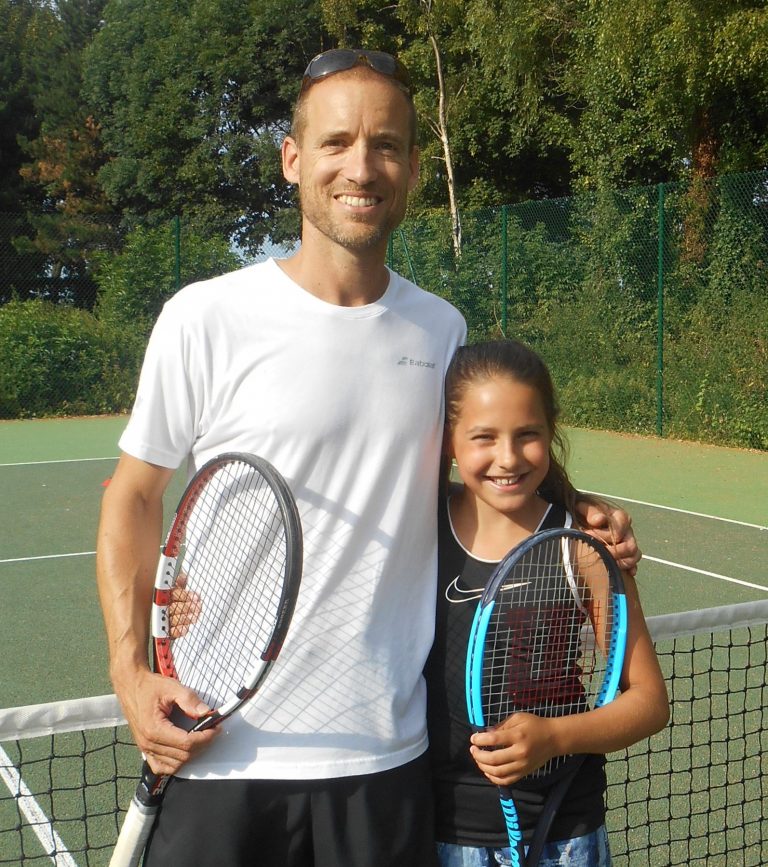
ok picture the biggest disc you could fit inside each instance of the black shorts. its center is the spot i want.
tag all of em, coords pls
(373, 820)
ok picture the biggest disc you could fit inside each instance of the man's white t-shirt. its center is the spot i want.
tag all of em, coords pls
(347, 403)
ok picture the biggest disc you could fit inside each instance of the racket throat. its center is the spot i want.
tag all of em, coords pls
(150, 790)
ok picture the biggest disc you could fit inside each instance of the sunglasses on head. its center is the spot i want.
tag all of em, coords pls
(342, 59)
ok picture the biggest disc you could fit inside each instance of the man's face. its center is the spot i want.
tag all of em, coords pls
(354, 163)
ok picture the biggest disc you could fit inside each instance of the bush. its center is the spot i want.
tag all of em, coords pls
(136, 282)
(58, 360)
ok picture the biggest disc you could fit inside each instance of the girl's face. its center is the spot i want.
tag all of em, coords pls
(501, 443)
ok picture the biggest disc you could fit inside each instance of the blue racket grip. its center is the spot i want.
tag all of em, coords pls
(514, 831)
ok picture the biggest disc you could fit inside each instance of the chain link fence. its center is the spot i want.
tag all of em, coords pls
(650, 304)
(45, 257)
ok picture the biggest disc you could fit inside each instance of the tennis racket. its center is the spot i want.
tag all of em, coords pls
(225, 590)
(548, 638)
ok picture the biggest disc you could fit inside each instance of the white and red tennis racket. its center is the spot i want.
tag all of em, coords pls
(225, 590)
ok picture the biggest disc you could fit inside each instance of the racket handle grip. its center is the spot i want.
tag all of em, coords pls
(514, 831)
(133, 835)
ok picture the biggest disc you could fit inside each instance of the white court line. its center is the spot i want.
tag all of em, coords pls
(67, 461)
(47, 557)
(704, 572)
(672, 509)
(34, 814)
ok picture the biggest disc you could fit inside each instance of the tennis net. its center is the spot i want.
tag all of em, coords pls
(695, 794)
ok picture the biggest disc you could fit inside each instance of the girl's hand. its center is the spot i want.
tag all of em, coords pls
(514, 749)
(184, 609)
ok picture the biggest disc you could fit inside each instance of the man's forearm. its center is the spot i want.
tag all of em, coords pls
(127, 547)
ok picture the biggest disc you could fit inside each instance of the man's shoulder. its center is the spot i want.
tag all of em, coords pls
(412, 294)
(212, 287)
(204, 295)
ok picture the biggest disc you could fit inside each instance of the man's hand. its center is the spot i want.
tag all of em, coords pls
(148, 702)
(613, 527)
(184, 609)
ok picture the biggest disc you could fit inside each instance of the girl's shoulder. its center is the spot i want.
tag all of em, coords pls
(556, 516)
(452, 489)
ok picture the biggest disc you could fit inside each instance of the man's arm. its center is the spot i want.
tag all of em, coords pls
(128, 546)
(613, 527)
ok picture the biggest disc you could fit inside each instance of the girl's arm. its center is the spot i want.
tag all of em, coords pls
(524, 741)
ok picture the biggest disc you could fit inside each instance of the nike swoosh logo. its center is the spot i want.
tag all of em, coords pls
(456, 595)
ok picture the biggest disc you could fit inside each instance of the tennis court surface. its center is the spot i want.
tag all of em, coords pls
(696, 794)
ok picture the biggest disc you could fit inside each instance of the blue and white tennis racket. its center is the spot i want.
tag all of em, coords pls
(548, 638)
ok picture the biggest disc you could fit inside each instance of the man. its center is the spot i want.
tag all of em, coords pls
(331, 367)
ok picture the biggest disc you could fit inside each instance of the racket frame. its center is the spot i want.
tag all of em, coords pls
(166, 575)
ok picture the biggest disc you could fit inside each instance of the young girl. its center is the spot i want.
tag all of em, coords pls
(501, 431)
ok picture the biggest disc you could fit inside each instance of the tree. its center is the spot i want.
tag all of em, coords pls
(193, 97)
(433, 21)
(136, 282)
(408, 26)
(521, 115)
(65, 156)
(17, 116)
(61, 154)
(669, 88)
(487, 86)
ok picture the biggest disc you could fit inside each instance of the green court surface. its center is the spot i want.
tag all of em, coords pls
(53, 475)
(644, 474)
(60, 439)
(728, 483)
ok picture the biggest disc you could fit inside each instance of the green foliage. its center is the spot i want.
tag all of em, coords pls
(194, 98)
(178, 106)
(717, 357)
(717, 378)
(135, 283)
(17, 114)
(63, 151)
(668, 87)
(58, 360)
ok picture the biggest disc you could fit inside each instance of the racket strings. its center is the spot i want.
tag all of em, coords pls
(233, 564)
(547, 635)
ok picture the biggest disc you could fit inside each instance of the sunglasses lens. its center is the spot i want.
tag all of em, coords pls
(341, 59)
(329, 62)
(381, 62)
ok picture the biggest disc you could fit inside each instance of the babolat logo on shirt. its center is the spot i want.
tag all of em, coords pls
(413, 362)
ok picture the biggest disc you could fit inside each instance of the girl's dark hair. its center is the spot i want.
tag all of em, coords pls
(492, 359)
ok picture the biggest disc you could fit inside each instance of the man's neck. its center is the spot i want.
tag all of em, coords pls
(339, 276)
